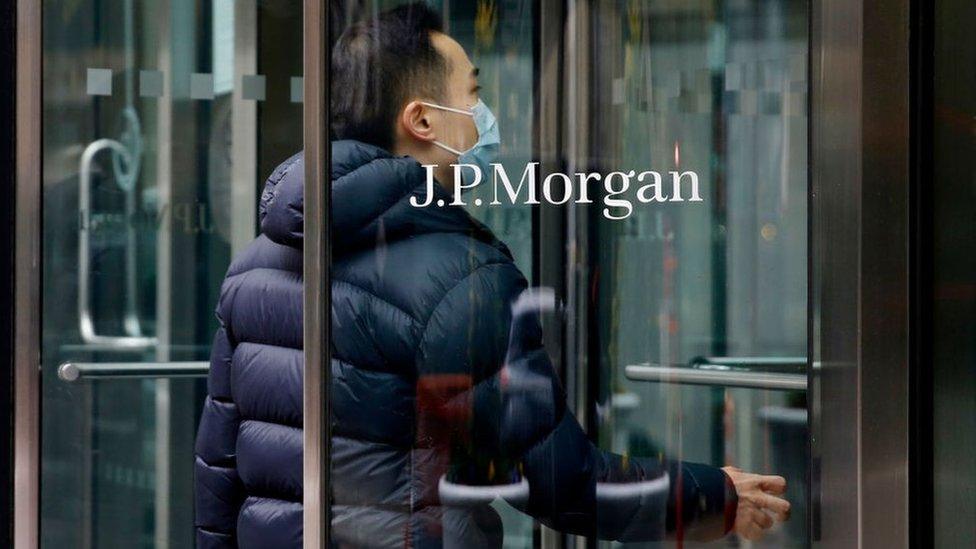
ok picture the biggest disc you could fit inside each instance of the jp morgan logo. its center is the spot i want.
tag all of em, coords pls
(621, 190)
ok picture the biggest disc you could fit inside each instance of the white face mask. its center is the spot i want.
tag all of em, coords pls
(485, 151)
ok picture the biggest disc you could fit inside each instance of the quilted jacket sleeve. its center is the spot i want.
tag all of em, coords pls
(507, 409)
(219, 492)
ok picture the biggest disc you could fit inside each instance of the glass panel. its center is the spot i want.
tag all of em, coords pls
(718, 88)
(161, 120)
(498, 38)
(677, 327)
(953, 197)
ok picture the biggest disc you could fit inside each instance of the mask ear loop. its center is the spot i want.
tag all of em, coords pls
(443, 108)
(451, 150)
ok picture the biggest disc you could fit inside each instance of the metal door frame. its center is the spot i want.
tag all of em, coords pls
(859, 323)
(317, 278)
(27, 277)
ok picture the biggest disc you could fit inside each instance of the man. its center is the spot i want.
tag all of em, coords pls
(442, 394)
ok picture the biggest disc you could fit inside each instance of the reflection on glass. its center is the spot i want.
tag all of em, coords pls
(151, 163)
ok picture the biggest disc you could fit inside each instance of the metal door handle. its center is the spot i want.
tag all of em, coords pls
(73, 371)
(718, 371)
(749, 361)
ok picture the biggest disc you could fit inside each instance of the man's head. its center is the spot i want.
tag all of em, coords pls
(383, 71)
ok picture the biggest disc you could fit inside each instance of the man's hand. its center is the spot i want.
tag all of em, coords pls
(758, 504)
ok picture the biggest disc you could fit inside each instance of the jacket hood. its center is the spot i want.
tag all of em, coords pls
(371, 191)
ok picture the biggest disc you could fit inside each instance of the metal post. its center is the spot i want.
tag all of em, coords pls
(859, 207)
(317, 433)
(27, 291)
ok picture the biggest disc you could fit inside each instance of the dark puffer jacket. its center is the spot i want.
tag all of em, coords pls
(435, 386)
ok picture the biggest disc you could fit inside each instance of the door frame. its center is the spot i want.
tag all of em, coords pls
(859, 272)
(317, 405)
(27, 277)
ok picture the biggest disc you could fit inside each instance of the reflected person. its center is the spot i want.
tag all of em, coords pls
(443, 396)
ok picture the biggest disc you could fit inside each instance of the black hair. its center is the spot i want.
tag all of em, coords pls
(378, 65)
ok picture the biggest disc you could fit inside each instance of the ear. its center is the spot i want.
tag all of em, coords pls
(415, 119)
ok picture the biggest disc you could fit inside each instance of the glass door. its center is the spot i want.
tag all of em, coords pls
(692, 315)
(161, 121)
(678, 332)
